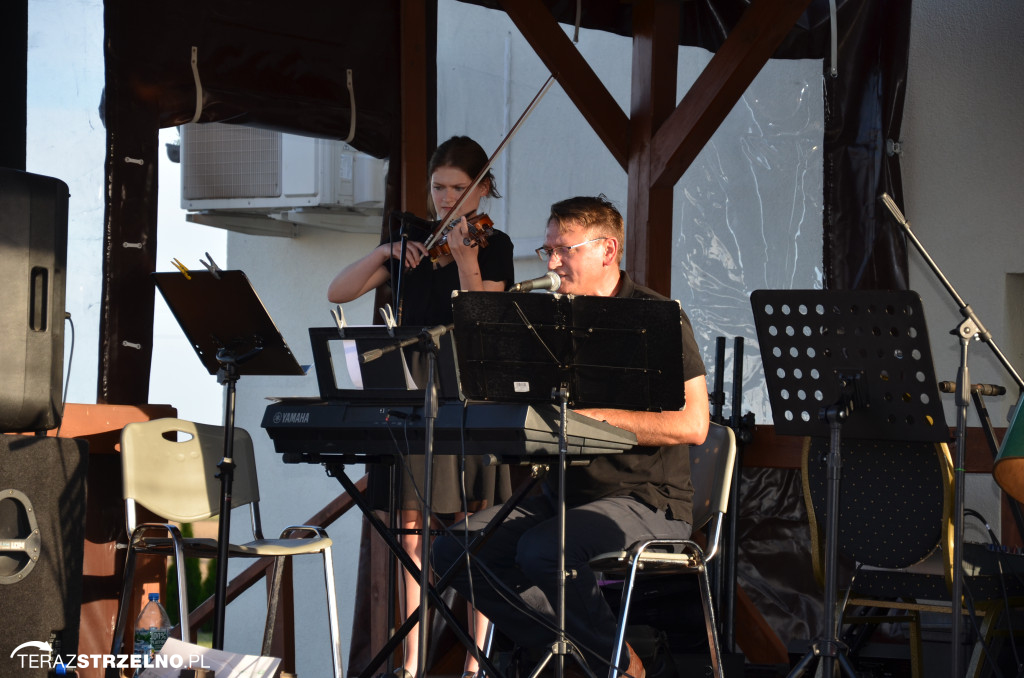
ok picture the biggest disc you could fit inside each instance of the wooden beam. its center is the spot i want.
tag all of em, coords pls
(129, 249)
(578, 80)
(649, 208)
(414, 79)
(282, 633)
(741, 57)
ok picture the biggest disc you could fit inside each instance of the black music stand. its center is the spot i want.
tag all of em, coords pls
(855, 363)
(522, 347)
(384, 379)
(581, 351)
(232, 333)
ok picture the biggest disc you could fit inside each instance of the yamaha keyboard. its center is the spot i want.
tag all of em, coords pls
(312, 430)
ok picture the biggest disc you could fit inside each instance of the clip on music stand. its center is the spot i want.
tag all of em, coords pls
(582, 351)
(855, 363)
(232, 333)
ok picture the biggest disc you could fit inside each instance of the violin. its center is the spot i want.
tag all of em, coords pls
(480, 227)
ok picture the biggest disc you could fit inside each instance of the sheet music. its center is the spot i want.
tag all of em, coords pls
(224, 664)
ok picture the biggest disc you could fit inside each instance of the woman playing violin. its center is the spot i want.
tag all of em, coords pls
(427, 292)
(427, 283)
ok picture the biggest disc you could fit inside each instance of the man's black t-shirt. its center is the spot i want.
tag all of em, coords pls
(657, 476)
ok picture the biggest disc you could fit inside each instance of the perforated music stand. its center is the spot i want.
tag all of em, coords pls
(846, 363)
(582, 351)
(232, 333)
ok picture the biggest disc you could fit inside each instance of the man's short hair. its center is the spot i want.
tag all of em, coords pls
(596, 215)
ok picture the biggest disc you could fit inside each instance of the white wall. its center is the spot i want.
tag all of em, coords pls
(963, 173)
(291, 277)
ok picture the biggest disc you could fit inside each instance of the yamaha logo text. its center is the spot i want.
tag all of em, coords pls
(291, 417)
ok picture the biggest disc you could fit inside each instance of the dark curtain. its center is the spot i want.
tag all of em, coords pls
(864, 249)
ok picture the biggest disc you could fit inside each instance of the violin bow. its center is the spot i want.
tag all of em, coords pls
(443, 227)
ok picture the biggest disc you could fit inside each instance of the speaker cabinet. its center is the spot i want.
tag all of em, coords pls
(33, 258)
(42, 533)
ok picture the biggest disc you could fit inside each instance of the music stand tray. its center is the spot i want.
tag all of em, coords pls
(383, 379)
(522, 347)
(223, 312)
(818, 345)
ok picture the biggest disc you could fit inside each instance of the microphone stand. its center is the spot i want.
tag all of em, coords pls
(406, 220)
(429, 338)
(969, 328)
(400, 277)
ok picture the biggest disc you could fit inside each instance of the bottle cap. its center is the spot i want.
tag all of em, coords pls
(154, 596)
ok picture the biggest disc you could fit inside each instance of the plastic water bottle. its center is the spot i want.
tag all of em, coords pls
(151, 629)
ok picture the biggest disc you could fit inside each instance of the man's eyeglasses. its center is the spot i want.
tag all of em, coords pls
(562, 251)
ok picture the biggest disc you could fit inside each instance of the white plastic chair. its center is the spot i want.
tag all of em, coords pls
(711, 469)
(178, 481)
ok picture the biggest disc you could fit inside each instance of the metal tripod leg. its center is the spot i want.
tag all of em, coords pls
(830, 649)
(561, 647)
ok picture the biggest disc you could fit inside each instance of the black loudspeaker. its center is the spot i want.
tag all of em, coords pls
(33, 259)
(42, 537)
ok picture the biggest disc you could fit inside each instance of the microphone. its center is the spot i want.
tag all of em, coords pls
(982, 389)
(893, 208)
(548, 281)
(432, 333)
(370, 356)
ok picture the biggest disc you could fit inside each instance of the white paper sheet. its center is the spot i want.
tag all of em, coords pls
(225, 664)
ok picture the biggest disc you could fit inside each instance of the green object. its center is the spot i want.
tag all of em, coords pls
(1009, 466)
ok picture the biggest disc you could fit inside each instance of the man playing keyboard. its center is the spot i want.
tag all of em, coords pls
(611, 503)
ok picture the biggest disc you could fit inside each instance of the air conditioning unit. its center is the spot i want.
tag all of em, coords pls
(260, 181)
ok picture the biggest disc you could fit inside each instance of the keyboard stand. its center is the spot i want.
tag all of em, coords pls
(538, 472)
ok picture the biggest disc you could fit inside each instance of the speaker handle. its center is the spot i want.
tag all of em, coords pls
(11, 545)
